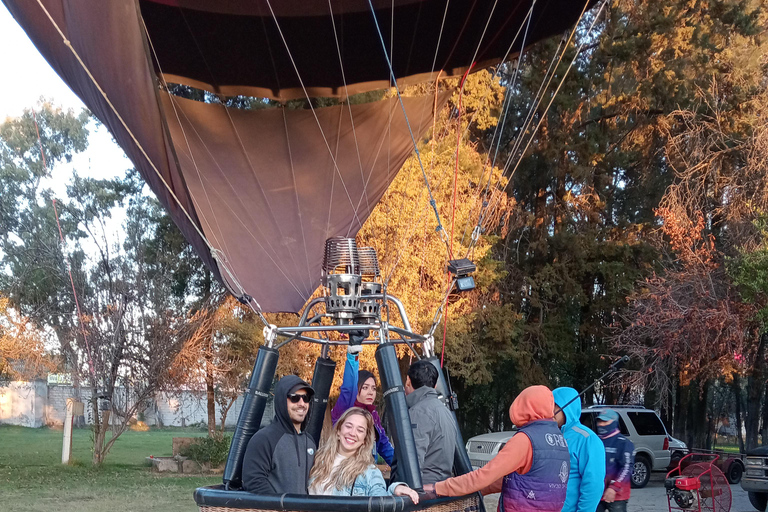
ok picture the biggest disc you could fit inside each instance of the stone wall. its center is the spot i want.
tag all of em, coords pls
(35, 404)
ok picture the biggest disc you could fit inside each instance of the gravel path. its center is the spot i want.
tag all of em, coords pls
(653, 498)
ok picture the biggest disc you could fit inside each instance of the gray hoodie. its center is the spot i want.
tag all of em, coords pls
(278, 458)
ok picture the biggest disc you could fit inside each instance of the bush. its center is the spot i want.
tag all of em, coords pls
(213, 450)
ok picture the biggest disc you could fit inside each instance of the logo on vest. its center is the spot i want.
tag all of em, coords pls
(555, 440)
(564, 472)
(311, 451)
(531, 495)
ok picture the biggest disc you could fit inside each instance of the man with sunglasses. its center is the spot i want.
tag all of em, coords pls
(280, 455)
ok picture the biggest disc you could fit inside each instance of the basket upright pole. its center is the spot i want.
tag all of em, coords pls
(397, 410)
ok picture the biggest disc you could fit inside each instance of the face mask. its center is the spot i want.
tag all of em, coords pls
(606, 430)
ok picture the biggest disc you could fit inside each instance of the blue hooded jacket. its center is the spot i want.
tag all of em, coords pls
(586, 480)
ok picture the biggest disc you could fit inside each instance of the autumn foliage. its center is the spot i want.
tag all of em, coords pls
(688, 321)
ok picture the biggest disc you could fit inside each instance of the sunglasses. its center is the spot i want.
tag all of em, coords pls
(295, 397)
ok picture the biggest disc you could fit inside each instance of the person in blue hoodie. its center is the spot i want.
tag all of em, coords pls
(585, 482)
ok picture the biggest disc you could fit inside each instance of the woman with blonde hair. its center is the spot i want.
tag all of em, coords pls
(344, 463)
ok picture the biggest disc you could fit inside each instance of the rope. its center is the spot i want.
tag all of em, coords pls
(554, 95)
(351, 119)
(244, 152)
(535, 104)
(432, 201)
(312, 108)
(496, 131)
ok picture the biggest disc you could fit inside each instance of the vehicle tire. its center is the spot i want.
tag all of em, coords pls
(759, 500)
(641, 473)
(735, 471)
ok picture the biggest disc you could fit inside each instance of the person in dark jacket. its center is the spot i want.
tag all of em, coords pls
(358, 389)
(619, 461)
(279, 456)
(434, 429)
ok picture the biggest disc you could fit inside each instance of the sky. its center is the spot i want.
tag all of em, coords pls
(28, 77)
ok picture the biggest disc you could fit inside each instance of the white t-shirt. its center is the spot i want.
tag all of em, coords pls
(326, 487)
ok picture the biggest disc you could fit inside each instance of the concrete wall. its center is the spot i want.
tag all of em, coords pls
(23, 403)
(35, 404)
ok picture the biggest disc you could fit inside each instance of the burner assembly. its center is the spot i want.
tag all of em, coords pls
(350, 277)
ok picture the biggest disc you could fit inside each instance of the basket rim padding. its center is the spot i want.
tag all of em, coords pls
(217, 496)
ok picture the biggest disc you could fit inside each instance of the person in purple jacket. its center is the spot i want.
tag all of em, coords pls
(358, 389)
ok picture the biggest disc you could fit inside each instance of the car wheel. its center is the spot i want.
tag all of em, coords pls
(734, 473)
(641, 472)
(758, 500)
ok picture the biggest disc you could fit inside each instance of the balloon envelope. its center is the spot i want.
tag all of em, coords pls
(267, 187)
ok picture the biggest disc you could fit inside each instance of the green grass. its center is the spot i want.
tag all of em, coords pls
(33, 479)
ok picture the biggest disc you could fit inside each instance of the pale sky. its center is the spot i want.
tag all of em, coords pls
(27, 77)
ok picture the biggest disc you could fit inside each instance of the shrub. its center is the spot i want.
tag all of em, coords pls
(213, 450)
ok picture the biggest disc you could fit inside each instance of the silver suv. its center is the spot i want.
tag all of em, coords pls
(640, 425)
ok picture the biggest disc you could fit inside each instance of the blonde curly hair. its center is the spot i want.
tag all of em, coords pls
(344, 474)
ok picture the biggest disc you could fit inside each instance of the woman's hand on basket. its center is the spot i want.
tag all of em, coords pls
(404, 490)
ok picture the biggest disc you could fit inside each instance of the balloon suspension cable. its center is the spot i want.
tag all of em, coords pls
(439, 229)
(477, 230)
(495, 73)
(529, 117)
(459, 134)
(562, 80)
(214, 251)
(611, 369)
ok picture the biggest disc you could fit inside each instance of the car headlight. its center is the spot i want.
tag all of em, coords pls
(466, 446)
(754, 461)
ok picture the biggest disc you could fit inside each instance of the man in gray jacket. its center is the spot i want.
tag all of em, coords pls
(434, 429)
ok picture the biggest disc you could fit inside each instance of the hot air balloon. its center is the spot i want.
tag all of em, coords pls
(271, 199)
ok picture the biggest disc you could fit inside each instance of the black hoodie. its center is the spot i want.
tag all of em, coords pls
(278, 458)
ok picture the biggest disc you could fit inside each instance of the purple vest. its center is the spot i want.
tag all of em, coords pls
(542, 488)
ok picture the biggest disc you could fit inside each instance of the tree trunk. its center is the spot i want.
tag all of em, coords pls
(99, 435)
(211, 398)
(696, 420)
(755, 389)
(765, 417)
(225, 412)
(681, 413)
(737, 400)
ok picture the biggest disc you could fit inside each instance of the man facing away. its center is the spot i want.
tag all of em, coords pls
(619, 461)
(434, 429)
(280, 455)
(587, 453)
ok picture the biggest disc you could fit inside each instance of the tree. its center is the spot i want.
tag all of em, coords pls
(111, 340)
(22, 348)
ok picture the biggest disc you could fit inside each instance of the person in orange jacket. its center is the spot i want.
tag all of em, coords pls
(531, 470)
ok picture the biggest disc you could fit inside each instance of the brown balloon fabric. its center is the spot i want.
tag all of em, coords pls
(269, 186)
